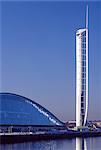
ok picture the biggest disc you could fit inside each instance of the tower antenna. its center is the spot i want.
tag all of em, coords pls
(87, 17)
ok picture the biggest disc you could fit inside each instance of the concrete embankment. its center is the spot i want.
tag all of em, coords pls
(26, 137)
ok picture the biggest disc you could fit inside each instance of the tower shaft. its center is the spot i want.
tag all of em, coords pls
(82, 75)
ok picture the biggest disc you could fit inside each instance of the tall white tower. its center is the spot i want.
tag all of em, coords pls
(82, 74)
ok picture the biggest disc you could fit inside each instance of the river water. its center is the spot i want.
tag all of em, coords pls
(64, 144)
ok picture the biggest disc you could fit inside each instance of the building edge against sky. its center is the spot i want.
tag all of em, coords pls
(82, 75)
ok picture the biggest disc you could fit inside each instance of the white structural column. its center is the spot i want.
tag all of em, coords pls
(78, 79)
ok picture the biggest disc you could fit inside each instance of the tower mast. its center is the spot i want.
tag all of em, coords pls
(86, 105)
(87, 17)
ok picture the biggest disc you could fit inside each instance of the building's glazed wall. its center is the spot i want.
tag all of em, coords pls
(18, 110)
(83, 75)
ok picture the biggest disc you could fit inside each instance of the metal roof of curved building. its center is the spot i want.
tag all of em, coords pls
(19, 110)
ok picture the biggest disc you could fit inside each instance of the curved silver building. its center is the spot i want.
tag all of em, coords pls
(82, 75)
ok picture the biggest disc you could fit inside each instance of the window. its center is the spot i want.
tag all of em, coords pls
(83, 81)
(82, 99)
(83, 51)
(83, 45)
(84, 63)
(82, 110)
(82, 104)
(83, 69)
(84, 87)
(83, 75)
(83, 95)
(84, 57)
(84, 39)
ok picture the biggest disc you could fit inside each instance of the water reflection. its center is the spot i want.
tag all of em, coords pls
(40, 145)
(64, 144)
(81, 144)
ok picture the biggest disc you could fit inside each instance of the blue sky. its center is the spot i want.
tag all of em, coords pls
(38, 53)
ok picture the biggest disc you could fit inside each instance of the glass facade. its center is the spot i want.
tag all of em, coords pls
(83, 88)
(18, 110)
